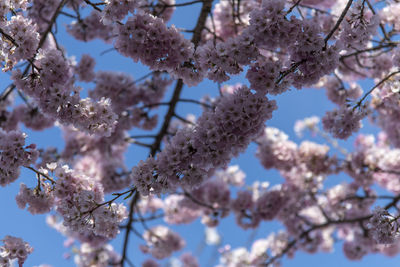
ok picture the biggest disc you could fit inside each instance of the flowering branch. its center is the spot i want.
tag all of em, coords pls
(359, 102)
(338, 22)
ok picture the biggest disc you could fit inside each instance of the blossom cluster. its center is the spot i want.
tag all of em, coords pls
(337, 93)
(228, 19)
(40, 200)
(263, 75)
(14, 248)
(194, 152)
(146, 38)
(384, 227)
(116, 10)
(22, 40)
(57, 97)
(357, 28)
(125, 93)
(7, 6)
(226, 57)
(85, 68)
(41, 12)
(101, 256)
(385, 102)
(161, 242)
(257, 255)
(343, 122)
(277, 151)
(78, 200)
(13, 155)
(90, 28)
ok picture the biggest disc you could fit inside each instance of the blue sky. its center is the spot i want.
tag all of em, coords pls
(293, 105)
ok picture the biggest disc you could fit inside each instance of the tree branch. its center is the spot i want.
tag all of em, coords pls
(338, 22)
(206, 8)
(128, 228)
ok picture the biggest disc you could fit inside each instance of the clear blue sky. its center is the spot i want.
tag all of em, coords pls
(293, 105)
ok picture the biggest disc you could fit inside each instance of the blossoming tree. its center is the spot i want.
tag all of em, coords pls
(91, 194)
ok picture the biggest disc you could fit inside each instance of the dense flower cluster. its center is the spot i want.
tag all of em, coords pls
(338, 94)
(13, 155)
(85, 68)
(257, 255)
(41, 12)
(40, 200)
(188, 260)
(389, 15)
(314, 56)
(193, 153)
(230, 18)
(276, 150)
(374, 162)
(232, 175)
(263, 76)
(179, 209)
(53, 93)
(90, 28)
(343, 122)
(269, 204)
(7, 6)
(272, 28)
(31, 117)
(55, 69)
(78, 200)
(117, 9)
(124, 92)
(386, 103)
(213, 196)
(161, 242)
(146, 38)
(357, 30)
(22, 43)
(384, 227)
(102, 256)
(226, 57)
(14, 248)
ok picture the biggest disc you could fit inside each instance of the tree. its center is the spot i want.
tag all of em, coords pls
(92, 195)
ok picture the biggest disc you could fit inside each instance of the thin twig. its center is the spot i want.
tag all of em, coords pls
(195, 102)
(294, 66)
(200, 203)
(392, 45)
(107, 51)
(182, 119)
(128, 228)
(41, 174)
(94, 5)
(177, 5)
(293, 6)
(150, 218)
(133, 141)
(338, 22)
(373, 88)
(117, 195)
(142, 136)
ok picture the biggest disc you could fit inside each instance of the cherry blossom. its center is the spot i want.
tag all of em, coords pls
(145, 151)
